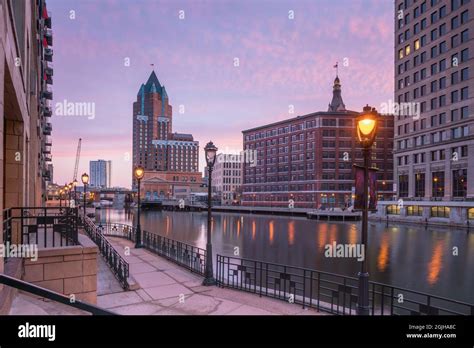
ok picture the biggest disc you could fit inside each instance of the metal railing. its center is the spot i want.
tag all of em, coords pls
(115, 261)
(51, 295)
(185, 255)
(336, 294)
(45, 226)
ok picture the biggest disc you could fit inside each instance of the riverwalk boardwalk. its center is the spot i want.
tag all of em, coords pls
(164, 288)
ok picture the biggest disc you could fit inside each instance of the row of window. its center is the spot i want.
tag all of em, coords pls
(459, 184)
(456, 133)
(436, 155)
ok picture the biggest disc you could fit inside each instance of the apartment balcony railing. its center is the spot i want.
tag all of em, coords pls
(49, 36)
(44, 226)
(47, 129)
(48, 54)
(48, 93)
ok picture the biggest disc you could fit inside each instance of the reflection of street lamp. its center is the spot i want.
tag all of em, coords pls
(211, 151)
(139, 172)
(366, 132)
(85, 181)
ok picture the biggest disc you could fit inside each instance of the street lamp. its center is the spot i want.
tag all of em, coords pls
(139, 172)
(210, 151)
(366, 131)
(85, 181)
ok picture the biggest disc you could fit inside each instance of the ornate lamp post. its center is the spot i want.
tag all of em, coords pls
(366, 131)
(210, 151)
(85, 181)
(139, 172)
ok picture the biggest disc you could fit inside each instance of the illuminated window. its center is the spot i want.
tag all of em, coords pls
(414, 210)
(407, 50)
(393, 209)
(417, 45)
(470, 213)
(400, 54)
(440, 212)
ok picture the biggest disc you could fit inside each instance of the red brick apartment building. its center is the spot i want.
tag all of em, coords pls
(309, 159)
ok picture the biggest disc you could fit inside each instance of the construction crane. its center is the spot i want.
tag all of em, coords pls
(78, 155)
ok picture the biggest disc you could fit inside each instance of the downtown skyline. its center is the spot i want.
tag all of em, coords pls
(282, 62)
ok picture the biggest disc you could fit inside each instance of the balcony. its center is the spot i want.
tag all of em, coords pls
(47, 129)
(47, 157)
(47, 112)
(47, 20)
(48, 35)
(48, 54)
(48, 93)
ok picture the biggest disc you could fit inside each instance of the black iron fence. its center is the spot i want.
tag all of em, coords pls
(328, 292)
(115, 261)
(185, 255)
(44, 226)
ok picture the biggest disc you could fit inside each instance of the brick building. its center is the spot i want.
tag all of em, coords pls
(155, 147)
(309, 159)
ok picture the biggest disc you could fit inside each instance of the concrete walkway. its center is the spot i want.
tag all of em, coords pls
(164, 288)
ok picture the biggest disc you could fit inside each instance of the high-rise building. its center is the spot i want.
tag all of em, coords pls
(227, 177)
(434, 126)
(100, 173)
(308, 160)
(170, 159)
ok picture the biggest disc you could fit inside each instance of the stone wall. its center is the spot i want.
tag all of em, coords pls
(67, 270)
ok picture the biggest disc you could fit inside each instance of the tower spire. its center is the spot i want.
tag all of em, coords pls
(337, 104)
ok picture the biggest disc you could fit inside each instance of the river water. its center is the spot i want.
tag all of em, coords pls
(435, 260)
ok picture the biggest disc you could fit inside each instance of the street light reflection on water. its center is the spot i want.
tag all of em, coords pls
(407, 256)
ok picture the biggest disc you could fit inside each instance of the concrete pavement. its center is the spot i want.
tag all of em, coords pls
(164, 288)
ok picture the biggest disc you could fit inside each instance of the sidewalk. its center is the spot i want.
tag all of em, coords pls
(167, 289)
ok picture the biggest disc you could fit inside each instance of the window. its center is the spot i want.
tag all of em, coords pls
(442, 83)
(454, 96)
(442, 29)
(393, 209)
(434, 17)
(455, 22)
(442, 65)
(455, 77)
(400, 54)
(434, 34)
(454, 115)
(437, 187)
(443, 47)
(464, 17)
(464, 74)
(434, 51)
(417, 45)
(420, 185)
(407, 50)
(403, 185)
(464, 112)
(465, 36)
(414, 210)
(442, 11)
(434, 69)
(465, 55)
(464, 93)
(470, 213)
(442, 212)
(455, 41)
(460, 183)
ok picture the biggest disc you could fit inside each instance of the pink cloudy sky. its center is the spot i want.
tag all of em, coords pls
(282, 62)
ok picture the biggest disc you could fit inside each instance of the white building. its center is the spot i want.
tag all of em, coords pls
(100, 173)
(227, 176)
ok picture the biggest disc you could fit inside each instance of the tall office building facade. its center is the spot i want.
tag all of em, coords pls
(308, 160)
(100, 173)
(170, 159)
(227, 177)
(434, 78)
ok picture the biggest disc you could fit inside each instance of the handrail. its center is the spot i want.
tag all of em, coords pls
(51, 295)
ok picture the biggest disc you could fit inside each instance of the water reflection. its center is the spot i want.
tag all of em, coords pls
(403, 255)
